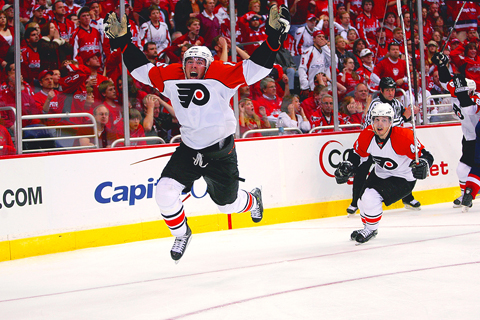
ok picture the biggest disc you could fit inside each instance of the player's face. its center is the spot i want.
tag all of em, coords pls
(195, 68)
(381, 126)
(388, 93)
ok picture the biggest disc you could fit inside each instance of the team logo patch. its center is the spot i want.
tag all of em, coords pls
(192, 92)
(385, 163)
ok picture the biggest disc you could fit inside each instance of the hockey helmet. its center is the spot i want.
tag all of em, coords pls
(387, 82)
(198, 52)
(382, 110)
(472, 86)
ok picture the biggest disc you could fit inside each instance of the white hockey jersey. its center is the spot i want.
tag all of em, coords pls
(159, 35)
(393, 158)
(202, 107)
(313, 62)
(468, 116)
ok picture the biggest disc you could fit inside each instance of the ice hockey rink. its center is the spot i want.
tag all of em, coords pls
(422, 265)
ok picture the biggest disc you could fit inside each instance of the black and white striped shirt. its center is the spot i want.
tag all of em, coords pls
(396, 105)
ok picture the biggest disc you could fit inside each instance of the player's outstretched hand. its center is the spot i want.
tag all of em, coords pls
(344, 171)
(118, 32)
(440, 59)
(420, 169)
(277, 26)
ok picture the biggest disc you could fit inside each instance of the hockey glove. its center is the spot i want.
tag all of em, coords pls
(420, 169)
(343, 172)
(461, 91)
(277, 26)
(117, 32)
(440, 59)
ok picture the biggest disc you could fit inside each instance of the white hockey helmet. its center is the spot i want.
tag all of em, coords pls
(198, 52)
(382, 110)
(472, 86)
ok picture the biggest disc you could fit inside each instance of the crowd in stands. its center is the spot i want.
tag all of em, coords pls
(67, 64)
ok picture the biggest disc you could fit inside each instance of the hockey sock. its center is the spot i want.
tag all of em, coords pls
(176, 222)
(251, 202)
(462, 173)
(473, 182)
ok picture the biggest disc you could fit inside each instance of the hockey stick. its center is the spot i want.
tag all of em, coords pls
(453, 27)
(400, 14)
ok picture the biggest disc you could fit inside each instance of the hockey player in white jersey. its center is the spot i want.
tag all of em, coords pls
(466, 105)
(395, 171)
(200, 90)
(401, 114)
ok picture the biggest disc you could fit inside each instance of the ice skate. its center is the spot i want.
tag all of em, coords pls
(457, 203)
(257, 211)
(180, 245)
(412, 205)
(467, 200)
(364, 235)
(351, 210)
(354, 234)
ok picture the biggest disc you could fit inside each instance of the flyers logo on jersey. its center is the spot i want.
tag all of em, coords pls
(385, 163)
(192, 92)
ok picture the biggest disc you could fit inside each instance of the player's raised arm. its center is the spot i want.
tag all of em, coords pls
(120, 36)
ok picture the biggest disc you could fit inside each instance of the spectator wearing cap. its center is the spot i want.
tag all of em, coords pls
(472, 36)
(432, 48)
(53, 50)
(315, 60)
(65, 27)
(254, 7)
(85, 39)
(155, 30)
(210, 26)
(71, 7)
(192, 36)
(304, 35)
(30, 56)
(8, 9)
(255, 33)
(47, 98)
(367, 24)
(367, 65)
(38, 15)
(92, 60)
(453, 43)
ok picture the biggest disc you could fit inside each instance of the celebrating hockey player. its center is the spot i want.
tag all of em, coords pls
(200, 90)
(466, 104)
(395, 171)
(387, 95)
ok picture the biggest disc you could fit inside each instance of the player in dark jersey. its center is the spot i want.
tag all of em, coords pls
(200, 90)
(395, 171)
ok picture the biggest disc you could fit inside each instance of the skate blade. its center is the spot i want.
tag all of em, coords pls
(457, 205)
(412, 208)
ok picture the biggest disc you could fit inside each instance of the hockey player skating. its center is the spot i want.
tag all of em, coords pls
(200, 90)
(395, 171)
(466, 104)
(387, 95)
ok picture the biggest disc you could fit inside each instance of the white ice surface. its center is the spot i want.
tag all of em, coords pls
(422, 265)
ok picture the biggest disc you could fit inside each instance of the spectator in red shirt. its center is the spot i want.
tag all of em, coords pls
(269, 99)
(6, 144)
(6, 39)
(136, 129)
(105, 136)
(92, 61)
(351, 111)
(30, 56)
(71, 7)
(65, 27)
(392, 66)
(38, 15)
(250, 120)
(109, 94)
(349, 77)
(254, 33)
(324, 115)
(193, 34)
(47, 98)
(85, 38)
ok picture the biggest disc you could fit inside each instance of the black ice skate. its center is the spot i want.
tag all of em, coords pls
(364, 235)
(457, 203)
(180, 245)
(257, 211)
(467, 200)
(412, 205)
(351, 210)
(354, 234)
